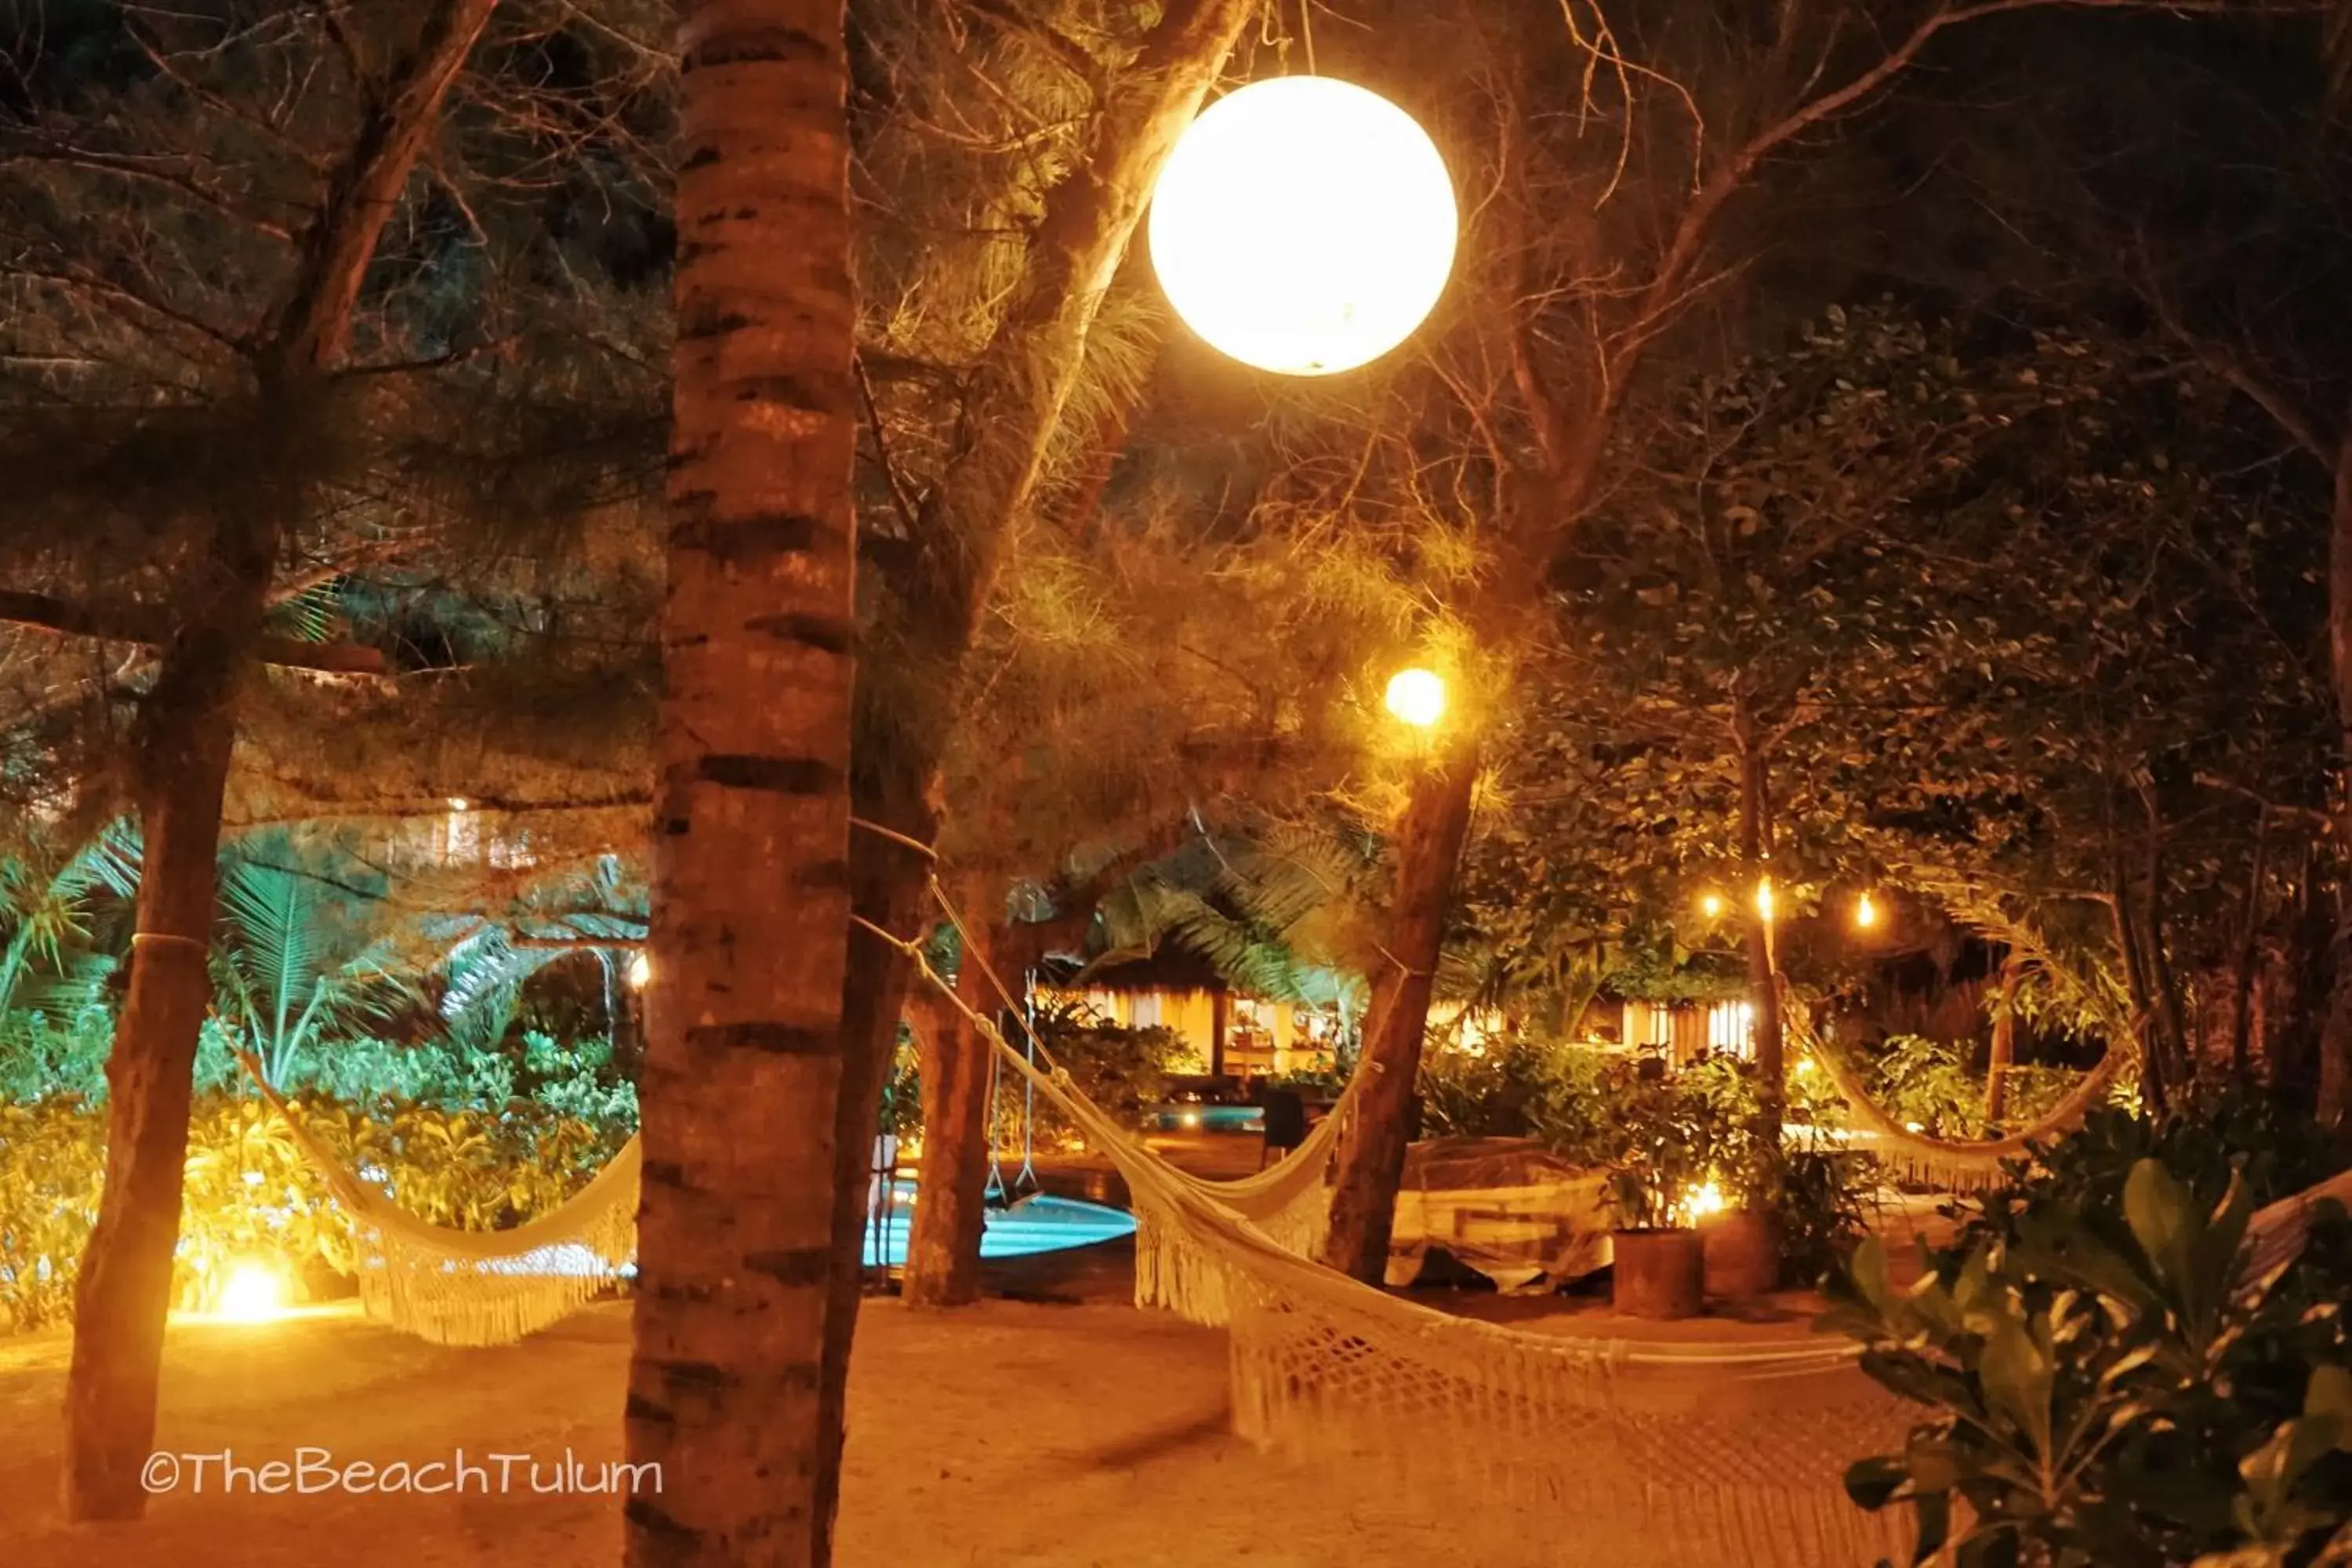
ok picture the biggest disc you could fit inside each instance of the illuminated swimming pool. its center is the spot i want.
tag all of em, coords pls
(1209, 1118)
(1037, 1223)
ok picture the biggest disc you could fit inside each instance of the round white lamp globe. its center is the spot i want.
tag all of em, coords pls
(1304, 225)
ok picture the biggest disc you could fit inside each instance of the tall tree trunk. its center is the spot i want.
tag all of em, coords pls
(747, 1069)
(2290, 1043)
(2247, 963)
(1370, 1157)
(1005, 429)
(625, 1006)
(2004, 1040)
(951, 1191)
(1008, 422)
(2336, 1037)
(2154, 1084)
(123, 1294)
(889, 885)
(2173, 1024)
(1763, 957)
(185, 739)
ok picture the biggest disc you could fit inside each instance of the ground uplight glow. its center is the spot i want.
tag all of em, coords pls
(255, 1292)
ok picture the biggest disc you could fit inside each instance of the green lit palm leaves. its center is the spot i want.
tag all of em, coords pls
(300, 957)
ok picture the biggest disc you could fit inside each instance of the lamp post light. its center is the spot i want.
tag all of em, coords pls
(1866, 912)
(1417, 696)
(1304, 225)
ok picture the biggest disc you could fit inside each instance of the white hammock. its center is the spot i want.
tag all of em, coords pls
(1580, 1452)
(1953, 1166)
(459, 1286)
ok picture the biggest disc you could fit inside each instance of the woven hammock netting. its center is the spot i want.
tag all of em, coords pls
(1573, 1451)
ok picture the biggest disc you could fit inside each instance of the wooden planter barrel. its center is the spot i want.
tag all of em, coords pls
(1743, 1255)
(1659, 1273)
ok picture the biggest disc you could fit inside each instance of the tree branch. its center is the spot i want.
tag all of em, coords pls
(126, 623)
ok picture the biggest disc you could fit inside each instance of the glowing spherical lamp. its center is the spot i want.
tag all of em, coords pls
(1710, 905)
(1417, 696)
(1304, 225)
(1866, 912)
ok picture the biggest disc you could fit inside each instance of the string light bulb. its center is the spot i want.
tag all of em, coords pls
(641, 971)
(1711, 905)
(1866, 912)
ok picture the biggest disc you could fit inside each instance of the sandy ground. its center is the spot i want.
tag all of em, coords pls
(1060, 1428)
(1044, 1436)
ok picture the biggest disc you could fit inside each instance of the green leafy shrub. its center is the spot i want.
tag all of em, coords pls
(2208, 1141)
(1125, 1071)
(1930, 1084)
(1663, 1137)
(249, 1192)
(2103, 1390)
(1674, 1137)
(1817, 1201)
(55, 1051)
(1496, 1092)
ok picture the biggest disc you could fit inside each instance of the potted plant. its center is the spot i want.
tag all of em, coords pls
(1661, 1262)
(1661, 1265)
(1735, 1207)
(1736, 1230)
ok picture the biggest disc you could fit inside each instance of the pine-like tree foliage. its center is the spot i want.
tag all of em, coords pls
(473, 493)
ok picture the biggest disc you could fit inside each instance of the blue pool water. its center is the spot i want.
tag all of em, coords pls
(1038, 1223)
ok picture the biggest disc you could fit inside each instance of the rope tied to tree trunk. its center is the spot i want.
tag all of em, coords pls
(895, 836)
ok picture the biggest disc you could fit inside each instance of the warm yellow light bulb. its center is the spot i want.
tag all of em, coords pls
(1303, 225)
(1764, 897)
(1704, 1201)
(1417, 696)
(641, 971)
(255, 1293)
(1711, 905)
(1866, 913)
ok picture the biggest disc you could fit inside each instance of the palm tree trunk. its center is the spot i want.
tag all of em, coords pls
(187, 735)
(951, 1191)
(747, 1069)
(1370, 1157)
